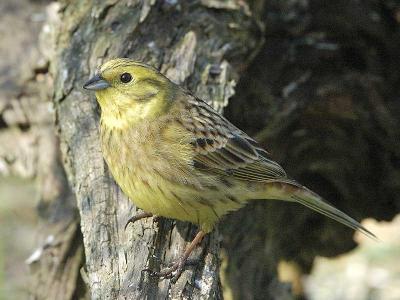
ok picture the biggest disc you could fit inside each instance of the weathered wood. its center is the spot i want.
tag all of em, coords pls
(321, 95)
(196, 44)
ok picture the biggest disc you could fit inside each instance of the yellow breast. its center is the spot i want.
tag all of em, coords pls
(148, 162)
(153, 166)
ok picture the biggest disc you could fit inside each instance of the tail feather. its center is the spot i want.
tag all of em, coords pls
(312, 200)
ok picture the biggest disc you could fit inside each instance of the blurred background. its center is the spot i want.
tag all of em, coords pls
(20, 24)
(322, 94)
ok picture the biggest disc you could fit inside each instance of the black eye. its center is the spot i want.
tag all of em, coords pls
(126, 77)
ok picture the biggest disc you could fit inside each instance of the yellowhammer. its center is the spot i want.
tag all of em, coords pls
(176, 157)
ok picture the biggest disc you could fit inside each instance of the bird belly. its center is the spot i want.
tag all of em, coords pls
(182, 202)
(163, 183)
(161, 198)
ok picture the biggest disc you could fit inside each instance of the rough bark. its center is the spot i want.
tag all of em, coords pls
(199, 44)
(321, 95)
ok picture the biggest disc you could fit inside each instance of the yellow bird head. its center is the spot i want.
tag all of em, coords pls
(130, 91)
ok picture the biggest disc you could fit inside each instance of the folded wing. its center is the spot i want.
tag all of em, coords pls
(223, 148)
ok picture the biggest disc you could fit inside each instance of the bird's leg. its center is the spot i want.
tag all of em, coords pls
(138, 217)
(178, 266)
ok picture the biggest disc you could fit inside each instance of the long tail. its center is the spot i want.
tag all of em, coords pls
(292, 191)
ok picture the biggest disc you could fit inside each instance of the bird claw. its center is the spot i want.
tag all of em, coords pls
(172, 272)
(175, 270)
(138, 217)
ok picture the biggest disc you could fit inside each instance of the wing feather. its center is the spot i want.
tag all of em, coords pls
(222, 148)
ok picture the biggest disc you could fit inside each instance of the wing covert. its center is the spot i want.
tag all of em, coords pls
(224, 149)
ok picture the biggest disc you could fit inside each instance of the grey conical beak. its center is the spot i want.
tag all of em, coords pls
(96, 83)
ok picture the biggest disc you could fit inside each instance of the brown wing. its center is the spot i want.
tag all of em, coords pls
(223, 148)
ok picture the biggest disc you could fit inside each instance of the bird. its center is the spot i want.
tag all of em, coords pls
(175, 156)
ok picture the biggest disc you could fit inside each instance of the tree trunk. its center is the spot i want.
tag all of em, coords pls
(199, 44)
(321, 95)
